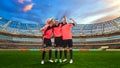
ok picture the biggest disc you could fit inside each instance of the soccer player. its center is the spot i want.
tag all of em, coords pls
(67, 37)
(47, 34)
(57, 30)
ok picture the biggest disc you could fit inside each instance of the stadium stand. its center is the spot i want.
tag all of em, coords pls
(16, 35)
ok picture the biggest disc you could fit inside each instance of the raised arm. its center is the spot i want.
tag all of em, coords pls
(73, 21)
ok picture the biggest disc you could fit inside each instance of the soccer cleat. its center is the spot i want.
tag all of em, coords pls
(64, 60)
(50, 61)
(56, 60)
(42, 62)
(71, 61)
(60, 60)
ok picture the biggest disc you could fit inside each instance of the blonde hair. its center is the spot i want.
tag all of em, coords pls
(48, 21)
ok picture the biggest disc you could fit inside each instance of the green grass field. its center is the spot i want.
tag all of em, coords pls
(31, 59)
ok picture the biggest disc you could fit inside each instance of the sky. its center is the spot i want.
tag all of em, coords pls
(82, 11)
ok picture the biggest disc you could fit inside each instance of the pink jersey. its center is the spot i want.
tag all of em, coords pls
(66, 31)
(47, 30)
(57, 30)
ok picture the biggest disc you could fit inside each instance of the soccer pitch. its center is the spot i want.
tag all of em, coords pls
(85, 59)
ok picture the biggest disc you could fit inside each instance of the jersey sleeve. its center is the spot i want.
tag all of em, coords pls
(71, 24)
(44, 28)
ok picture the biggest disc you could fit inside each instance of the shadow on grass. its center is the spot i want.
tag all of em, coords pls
(48, 65)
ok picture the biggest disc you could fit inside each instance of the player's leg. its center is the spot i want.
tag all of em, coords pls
(71, 55)
(65, 55)
(60, 48)
(58, 42)
(56, 49)
(49, 43)
(43, 55)
(70, 45)
(56, 54)
(43, 51)
(65, 50)
(50, 55)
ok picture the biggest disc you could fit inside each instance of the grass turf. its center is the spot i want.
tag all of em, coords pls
(31, 59)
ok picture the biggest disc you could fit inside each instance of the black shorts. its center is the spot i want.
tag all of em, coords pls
(58, 42)
(67, 43)
(47, 42)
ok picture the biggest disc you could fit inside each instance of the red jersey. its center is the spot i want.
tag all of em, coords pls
(47, 30)
(66, 31)
(57, 30)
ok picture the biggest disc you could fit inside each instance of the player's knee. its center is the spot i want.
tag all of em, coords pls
(70, 48)
(65, 48)
(47, 48)
(61, 48)
(43, 49)
(56, 48)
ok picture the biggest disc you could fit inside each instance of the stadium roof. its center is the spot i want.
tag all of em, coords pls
(80, 29)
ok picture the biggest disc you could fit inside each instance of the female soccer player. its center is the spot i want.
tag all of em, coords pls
(57, 30)
(47, 34)
(67, 37)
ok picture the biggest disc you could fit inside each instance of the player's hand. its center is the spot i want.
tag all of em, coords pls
(71, 18)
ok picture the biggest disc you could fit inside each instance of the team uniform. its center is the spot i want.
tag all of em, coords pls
(57, 30)
(67, 39)
(47, 36)
(47, 30)
(67, 35)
